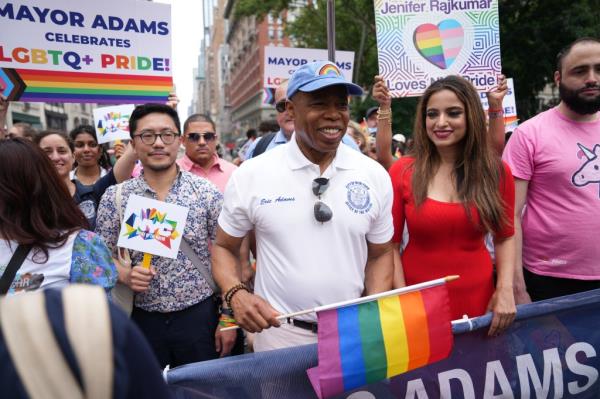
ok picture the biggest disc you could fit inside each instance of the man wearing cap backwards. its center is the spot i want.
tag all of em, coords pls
(321, 214)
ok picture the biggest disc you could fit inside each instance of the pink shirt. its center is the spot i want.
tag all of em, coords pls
(218, 174)
(561, 160)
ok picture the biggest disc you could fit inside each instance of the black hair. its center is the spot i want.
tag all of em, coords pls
(142, 110)
(251, 133)
(567, 49)
(198, 118)
(104, 160)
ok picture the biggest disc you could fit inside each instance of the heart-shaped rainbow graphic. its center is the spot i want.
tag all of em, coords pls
(441, 43)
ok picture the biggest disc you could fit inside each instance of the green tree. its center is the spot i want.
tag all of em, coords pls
(531, 34)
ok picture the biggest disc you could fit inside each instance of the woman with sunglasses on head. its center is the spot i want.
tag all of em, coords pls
(60, 150)
(91, 160)
(37, 215)
(451, 191)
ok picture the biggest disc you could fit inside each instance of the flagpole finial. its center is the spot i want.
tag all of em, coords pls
(452, 278)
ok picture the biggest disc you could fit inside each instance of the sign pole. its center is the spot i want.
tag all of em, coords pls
(331, 30)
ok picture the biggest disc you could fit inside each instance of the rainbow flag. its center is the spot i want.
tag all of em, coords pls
(369, 342)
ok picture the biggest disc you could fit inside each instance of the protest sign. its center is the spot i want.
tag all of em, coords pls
(85, 51)
(112, 123)
(508, 103)
(153, 227)
(424, 40)
(281, 63)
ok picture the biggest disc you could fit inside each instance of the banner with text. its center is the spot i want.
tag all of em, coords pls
(85, 51)
(420, 41)
(551, 351)
(282, 62)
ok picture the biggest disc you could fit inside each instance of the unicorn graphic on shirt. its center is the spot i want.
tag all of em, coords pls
(589, 172)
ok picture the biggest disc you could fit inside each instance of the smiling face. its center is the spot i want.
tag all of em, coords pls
(202, 150)
(321, 118)
(445, 119)
(59, 153)
(87, 151)
(158, 156)
(579, 78)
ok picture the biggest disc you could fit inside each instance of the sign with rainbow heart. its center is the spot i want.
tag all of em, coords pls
(112, 123)
(420, 41)
(152, 226)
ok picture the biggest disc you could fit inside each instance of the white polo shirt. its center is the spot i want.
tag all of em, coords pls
(302, 263)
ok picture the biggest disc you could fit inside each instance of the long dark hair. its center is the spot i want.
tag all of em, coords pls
(35, 205)
(104, 160)
(478, 169)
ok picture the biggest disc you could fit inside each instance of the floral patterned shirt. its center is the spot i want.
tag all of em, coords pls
(178, 284)
(82, 259)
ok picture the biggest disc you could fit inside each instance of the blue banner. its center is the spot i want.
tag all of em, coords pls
(549, 352)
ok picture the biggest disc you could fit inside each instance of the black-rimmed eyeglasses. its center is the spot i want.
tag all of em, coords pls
(280, 106)
(148, 137)
(323, 212)
(207, 136)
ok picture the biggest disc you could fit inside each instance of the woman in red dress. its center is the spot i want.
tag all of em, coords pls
(451, 192)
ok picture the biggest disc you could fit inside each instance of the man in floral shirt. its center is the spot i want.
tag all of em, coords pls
(174, 305)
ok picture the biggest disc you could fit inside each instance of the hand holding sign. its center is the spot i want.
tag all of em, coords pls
(112, 123)
(154, 228)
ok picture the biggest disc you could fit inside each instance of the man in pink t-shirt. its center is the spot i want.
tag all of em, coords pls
(201, 159)
(555, 159)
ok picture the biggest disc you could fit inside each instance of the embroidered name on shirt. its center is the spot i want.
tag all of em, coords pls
(265, 201)
(358, 198)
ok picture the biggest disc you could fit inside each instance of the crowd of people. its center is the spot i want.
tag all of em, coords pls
(326, 208)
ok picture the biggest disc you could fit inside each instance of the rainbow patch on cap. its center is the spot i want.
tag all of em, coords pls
(329, 69)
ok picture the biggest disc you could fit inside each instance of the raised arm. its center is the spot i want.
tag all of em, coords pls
(496, 114)
(383, 142)
(125, 164)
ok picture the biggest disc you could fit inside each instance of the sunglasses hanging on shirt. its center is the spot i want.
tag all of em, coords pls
(322, 212)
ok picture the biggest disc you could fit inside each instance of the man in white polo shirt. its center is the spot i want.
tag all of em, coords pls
(321, 213)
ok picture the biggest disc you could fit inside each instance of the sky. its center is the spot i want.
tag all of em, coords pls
(186, 19)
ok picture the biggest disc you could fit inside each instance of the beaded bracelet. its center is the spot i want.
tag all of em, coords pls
(226, 321)
(232, 291)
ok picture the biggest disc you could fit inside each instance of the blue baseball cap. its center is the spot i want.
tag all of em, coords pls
(316, 75)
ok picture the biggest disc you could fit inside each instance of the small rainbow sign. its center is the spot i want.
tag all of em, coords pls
(152, 227)
(151, 224)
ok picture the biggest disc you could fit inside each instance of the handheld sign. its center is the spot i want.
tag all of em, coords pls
(110, 51)
(112, 123)
(421, 41)
(152, 227)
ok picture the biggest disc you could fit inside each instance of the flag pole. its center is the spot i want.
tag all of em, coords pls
(403, 290)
